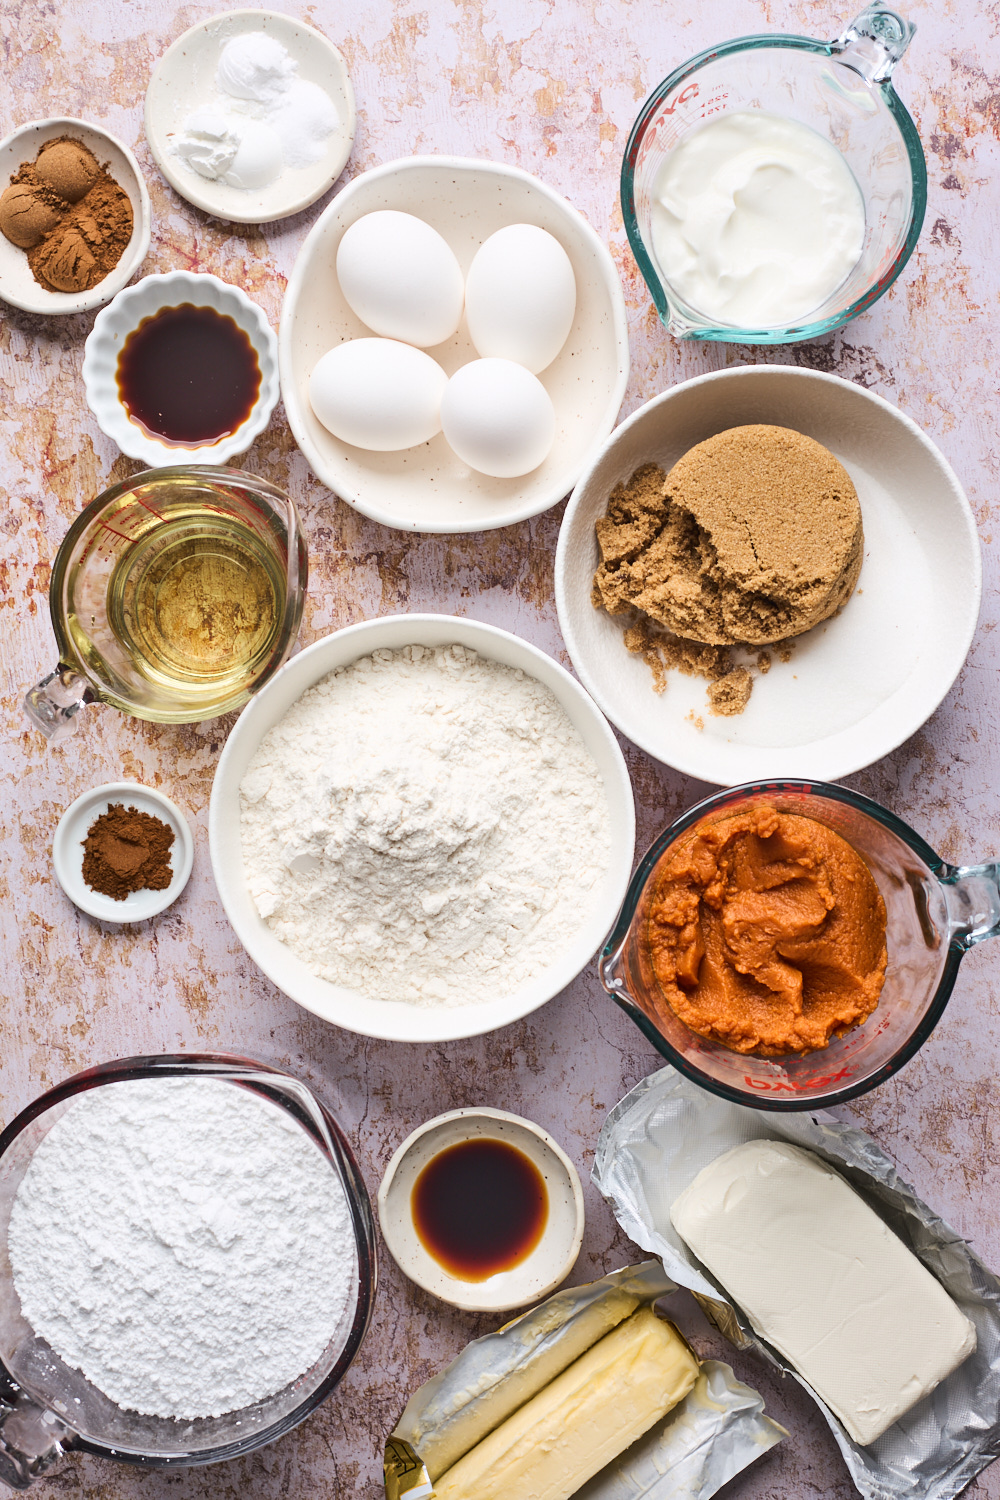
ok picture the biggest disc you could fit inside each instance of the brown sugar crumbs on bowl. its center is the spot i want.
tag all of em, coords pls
(767, 933)
(188, 375)
(480, 1207)
(754, 536)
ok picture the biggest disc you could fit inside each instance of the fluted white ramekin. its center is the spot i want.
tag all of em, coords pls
(122, 316)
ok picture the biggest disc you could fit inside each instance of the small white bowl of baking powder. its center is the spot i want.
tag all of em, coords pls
(512, 986)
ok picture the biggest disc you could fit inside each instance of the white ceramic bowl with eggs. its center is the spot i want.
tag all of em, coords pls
(399, 1020)
(427, 488)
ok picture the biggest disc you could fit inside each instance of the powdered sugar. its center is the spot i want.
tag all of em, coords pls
(425, 825)
(184, 1244)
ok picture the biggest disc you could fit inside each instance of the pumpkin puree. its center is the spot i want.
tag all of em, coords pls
(767, 933)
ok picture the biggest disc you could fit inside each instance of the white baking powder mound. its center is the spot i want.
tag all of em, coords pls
(425, 825)
(184, 1244)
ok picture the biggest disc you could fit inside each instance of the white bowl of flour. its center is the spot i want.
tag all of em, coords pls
(422, 828)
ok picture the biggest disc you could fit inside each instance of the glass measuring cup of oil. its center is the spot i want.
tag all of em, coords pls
(843, 90)
(175, 595)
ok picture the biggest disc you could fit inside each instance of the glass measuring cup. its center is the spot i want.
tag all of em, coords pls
(935, 911)
(843, 90)
(47, 1407)
(175, 595)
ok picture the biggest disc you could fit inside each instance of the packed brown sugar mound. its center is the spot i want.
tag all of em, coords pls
(755, 535)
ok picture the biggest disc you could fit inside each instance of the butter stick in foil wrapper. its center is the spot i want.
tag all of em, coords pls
(714, 1433)
(657, 1140)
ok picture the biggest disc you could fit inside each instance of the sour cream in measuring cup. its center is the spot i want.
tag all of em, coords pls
(756, 219)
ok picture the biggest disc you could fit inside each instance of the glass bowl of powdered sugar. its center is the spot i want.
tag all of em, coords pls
(187, 1263)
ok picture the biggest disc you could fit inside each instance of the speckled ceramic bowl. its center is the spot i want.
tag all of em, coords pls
(428, 488)
(17, 284)
(184, 78)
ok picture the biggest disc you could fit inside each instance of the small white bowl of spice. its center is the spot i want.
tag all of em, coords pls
(74, 216)
(123, 852)
(182, 368)
(483, 1209)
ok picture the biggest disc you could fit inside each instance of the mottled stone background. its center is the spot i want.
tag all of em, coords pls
(553, 86)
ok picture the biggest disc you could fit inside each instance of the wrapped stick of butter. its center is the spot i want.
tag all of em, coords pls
(801, 1242)
(589, 1394)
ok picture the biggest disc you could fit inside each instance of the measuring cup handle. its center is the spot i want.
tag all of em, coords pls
(972, 898)
(873, 42)
(31, 1438)
(53, 704)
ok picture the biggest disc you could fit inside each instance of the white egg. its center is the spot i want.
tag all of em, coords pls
(520, 296)
(498, 417)
(378, 394)
(401, 278)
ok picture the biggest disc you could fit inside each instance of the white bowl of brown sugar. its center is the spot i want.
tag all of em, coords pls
(837, 696)
(74, 200)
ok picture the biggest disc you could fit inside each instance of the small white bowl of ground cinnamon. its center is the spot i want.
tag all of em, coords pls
(123, 852)
(74, 216)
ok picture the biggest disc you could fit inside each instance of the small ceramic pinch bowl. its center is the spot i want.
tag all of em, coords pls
(17, 283)
(427, 488)
(67, 851)
(397, 1020)
(184, 78)
(542, 1270)
(855, 686)
(112, 327)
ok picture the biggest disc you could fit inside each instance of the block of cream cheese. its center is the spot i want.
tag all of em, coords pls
(589, 1414)
(825, 1281)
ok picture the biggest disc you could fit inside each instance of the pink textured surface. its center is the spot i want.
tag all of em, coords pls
(552, 88)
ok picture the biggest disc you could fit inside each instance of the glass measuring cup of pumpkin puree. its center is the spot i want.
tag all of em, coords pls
(174, 596)
(841, 89)
(935, 913)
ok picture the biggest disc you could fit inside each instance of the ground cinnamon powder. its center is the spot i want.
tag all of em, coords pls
(127, 850)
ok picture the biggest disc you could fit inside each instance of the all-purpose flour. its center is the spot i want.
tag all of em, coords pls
(184, 1244)
(425, 825)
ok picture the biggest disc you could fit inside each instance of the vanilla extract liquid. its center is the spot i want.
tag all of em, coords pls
(188, 375)
(480, 1207)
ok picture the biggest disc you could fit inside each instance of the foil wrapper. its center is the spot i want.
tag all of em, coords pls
(715, 1432)
(656, 1141)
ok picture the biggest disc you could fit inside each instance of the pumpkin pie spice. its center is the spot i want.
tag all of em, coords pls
(127, 850)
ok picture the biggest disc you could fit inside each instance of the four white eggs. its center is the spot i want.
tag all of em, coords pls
(403, 281)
